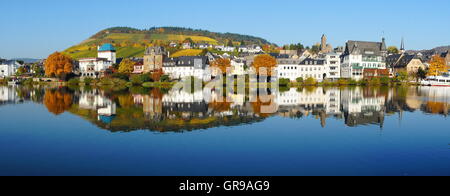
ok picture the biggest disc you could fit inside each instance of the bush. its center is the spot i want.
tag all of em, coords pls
(385, 81)
(140, 79)
(165, 78)
(74, 81)
(299, 80)
(88, 81)
(353, 82)
(120, 76)
(310, 81)
(284, 82)
(343, 82)
(112, 82)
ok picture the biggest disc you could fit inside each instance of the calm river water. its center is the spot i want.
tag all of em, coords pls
(307, 131)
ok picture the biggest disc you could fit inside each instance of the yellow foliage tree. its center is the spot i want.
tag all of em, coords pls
(57, 64)
(264, 61)
(126, 66)
(221, 64)
(437, 66)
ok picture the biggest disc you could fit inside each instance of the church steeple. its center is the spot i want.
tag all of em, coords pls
(402, 46)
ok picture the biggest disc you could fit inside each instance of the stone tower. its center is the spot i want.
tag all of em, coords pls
(153, 58)
(324, 47)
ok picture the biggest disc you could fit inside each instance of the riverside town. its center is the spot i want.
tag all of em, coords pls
(164, 63)
(213, 98)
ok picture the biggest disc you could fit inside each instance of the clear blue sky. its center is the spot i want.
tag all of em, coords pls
(34, 29)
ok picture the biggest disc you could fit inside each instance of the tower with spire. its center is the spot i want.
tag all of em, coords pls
(402, 46)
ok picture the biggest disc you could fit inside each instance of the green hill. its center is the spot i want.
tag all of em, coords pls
(132, 42)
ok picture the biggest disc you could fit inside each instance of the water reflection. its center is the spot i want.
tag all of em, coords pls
(181, 110)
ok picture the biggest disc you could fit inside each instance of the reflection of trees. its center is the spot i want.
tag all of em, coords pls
(220, 105)
(57, 101)
(264, 104)
(437, 107)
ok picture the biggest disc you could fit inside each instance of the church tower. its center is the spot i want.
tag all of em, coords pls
(402, 46)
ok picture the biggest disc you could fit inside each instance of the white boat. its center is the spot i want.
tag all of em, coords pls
(443, 80)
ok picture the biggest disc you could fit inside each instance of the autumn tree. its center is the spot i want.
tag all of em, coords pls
(437, 66)
(58, 64)
(264, 65)
(221, 64)
(156, 75)
(126, 66)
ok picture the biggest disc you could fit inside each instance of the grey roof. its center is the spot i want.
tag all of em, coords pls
(7, 62)
(401, 61)
(365, 48)
(156, 50)
(310, 61)
(198, 62)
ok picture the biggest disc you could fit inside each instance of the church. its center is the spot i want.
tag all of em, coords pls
(96, 67)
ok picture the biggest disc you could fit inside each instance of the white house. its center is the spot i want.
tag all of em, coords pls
(8, 68)
(307, 68)
(237, 67)
(225, 48)
(359, 55)
(251, 49)
(94, 67)
(186, 66)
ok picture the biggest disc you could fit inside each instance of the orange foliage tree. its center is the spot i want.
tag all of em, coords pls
(57, 102)
(437, 66)
(57, 64)
(264, 61)
(156, 75)
(221, 64)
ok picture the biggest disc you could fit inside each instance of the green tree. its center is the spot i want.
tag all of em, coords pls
(421, 73)
(393, 50)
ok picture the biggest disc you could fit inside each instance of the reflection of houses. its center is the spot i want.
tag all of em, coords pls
(8, 94)
(310, 100)
(186, 103)
(151, 104)
(360, 110)
(94, 100)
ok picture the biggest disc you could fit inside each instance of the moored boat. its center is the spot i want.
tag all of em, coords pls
(443, 80)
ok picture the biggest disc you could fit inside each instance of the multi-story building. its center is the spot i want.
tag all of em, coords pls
(307, 68)
(361, 56)
(186, 66)
(332, 66)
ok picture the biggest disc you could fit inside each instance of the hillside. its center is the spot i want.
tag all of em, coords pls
(132, 42)
(437, 50)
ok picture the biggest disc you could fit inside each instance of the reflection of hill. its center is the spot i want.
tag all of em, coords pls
(133, 119)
